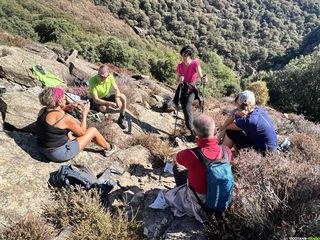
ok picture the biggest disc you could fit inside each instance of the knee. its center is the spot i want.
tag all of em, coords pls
(91, 130)
(123, 97)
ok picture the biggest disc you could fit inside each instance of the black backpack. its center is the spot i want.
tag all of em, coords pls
(71, 175)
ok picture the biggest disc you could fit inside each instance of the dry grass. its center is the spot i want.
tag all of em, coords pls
(31, 227)
(83, 211)
(159, 148)
(12, 40)
(105, 127)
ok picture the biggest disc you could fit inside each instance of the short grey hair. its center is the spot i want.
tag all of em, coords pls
(103, 69)
(46, 97)
(204, 126)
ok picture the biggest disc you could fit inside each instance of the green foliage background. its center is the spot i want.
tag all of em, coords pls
(247, 33)
(231, 38)
(296, 88)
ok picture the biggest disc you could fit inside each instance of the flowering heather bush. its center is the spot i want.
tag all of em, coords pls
(128, 89)
(12, 40)
(307, 127)
(104, 128)
(276, 196)
(80, 91)
(29, 228)
(306, 146)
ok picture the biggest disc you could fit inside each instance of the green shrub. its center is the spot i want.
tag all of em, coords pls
(89, 51)
(13, 9)
(261, 92)
(18, 26)
(296, 87)
(53, 29)
(140, 61)
(231, 89)
(219, 71)
(115, 51)
(164, 70)
(163, 66)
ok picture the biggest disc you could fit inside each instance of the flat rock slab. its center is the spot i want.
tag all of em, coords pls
(23, 176)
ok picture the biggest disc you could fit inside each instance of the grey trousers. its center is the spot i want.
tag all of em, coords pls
(187, 110)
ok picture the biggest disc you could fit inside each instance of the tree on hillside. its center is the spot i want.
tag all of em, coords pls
(219, 71)
(297, 87)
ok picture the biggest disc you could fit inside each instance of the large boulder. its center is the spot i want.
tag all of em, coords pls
(22, 106)
(16, 64)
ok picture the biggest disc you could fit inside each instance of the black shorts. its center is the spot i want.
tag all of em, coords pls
(95, 106)
(242, 141)
(239, 139)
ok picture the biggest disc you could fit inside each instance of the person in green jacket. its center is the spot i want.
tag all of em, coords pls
(105, 93)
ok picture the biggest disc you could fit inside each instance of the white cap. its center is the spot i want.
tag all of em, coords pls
(246, 97)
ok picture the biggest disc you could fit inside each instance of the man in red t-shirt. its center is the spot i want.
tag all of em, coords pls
(181, 199)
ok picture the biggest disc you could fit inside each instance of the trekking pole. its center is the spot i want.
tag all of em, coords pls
(203, 94)
(179, 95)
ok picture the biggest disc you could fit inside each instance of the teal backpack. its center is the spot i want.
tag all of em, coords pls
(220, 182)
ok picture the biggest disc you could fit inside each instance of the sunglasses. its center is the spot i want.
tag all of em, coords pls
(102, 76)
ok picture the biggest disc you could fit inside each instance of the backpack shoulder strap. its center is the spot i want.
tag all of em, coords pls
(203, 159)
(208, 161)
(225, 158)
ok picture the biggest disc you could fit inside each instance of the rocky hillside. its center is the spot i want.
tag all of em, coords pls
(25, 172)
(267, 189)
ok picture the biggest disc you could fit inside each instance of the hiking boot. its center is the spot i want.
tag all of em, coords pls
(191, 138)
(170, 110)
(108, 152)
(122, 122)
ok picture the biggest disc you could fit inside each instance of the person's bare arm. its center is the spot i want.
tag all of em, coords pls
(228, 124)
(98, 100)
(116, 89)
(73, 125)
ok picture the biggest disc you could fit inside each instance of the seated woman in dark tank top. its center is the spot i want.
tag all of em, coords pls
(55, 128)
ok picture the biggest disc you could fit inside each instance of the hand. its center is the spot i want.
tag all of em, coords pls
(204, 80)
(239, 114)
(86, 108)
(221, 135)
(180, 80)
